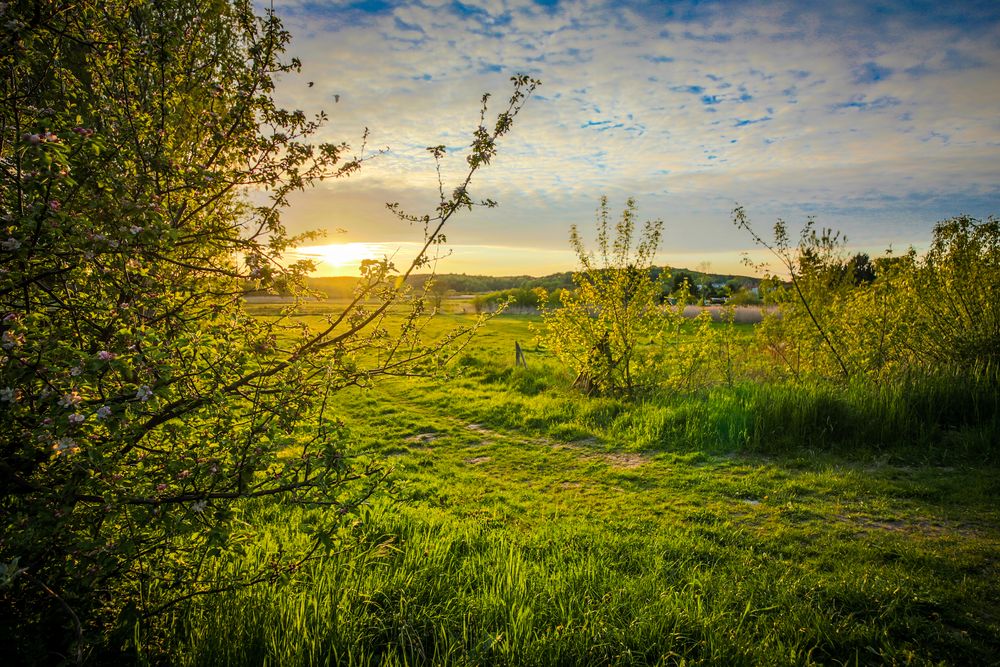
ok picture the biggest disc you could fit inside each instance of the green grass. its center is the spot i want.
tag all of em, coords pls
(752, 525)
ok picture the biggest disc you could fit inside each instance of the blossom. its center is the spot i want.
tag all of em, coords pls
(104, 355)
(11, 340)
(76, 370)
(76, 418)
(104, 412)
(144, 393)
(10, 244)
(199, 506)
(54, 205)
(135, 229)
(70, 399)
(65, 446)
(161, 487)
(40, 138)
(7, 395)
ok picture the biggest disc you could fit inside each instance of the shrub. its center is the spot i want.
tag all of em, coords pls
(598, 328)
(877, 319)
(141, 404)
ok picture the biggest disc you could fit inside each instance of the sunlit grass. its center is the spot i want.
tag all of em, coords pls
(754, 524)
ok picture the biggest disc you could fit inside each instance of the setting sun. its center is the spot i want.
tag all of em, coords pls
(341, 259)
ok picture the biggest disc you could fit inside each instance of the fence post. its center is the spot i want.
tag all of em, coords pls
(519, 358)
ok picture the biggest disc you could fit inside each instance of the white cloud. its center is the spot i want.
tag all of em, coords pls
(879, 125)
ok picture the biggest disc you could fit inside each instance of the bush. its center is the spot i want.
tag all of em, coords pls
(879, 319)
(599, 326)
(142, 406)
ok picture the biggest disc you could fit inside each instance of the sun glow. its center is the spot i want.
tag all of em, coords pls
(341, 259)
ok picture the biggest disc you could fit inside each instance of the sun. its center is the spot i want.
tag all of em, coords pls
(340, 259)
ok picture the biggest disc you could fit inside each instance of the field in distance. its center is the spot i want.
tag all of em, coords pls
(528, 524)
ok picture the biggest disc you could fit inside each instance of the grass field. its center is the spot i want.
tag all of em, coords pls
(742, 525)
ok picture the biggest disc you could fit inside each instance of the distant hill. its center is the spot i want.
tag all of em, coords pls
(461, 283)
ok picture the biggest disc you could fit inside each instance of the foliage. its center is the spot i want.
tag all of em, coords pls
(599, 327)
(520, 298)
(953, 296)
(683, 286)
(142, 405)
(853, 316)
(813, 268)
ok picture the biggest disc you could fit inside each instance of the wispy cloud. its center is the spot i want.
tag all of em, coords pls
(876, 120)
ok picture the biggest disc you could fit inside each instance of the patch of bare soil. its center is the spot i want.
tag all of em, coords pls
(424, 438)
(614, 459)
(625, 460)
(478, 459)
(922, 527)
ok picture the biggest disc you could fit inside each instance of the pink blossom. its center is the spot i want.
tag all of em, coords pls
(65, 446)
(104, 355)
(76, 418)
(11, 340)
(70, 399)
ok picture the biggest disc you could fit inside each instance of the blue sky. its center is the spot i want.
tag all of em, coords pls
(877, 118)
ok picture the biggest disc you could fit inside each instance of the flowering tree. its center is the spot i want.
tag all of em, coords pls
(141, 407)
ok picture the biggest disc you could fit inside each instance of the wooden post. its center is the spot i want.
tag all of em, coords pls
(519, 358)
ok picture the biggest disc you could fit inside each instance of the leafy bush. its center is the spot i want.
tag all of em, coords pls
(526, 298)
(952, 296)
(848, 317)
(598, 328)
(142, 406)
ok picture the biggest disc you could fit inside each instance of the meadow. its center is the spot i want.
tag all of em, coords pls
(739, 523)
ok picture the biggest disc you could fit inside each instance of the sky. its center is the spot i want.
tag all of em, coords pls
(876, 118)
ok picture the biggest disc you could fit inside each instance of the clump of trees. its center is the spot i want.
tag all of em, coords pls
(853, 316)
(830, 315)
(519, 298)
(141, 407)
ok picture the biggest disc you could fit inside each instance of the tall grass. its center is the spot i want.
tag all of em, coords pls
(940, 417)
(454, 592)
(539, 554)
(948, 415)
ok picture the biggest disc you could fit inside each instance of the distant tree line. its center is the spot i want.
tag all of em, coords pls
(682, 284)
